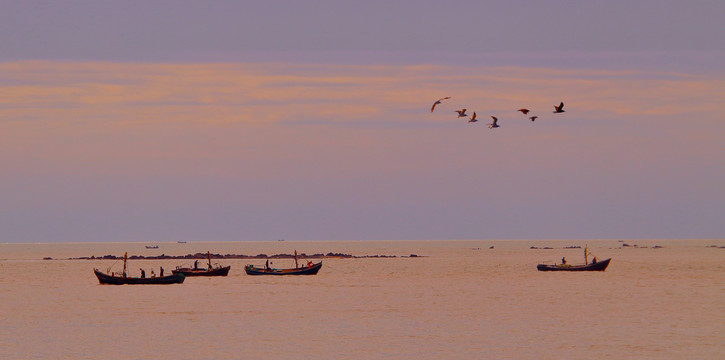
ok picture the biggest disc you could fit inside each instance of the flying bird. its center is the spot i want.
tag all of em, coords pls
(532, 118)
(473, 118)
(494, 124)
(438, 102)
(559, 109)
(525, 111)
(461, 113)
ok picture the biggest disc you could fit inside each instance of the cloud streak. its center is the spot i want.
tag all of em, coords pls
(301, 93)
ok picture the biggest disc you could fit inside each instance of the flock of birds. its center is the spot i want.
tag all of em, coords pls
(462, 113)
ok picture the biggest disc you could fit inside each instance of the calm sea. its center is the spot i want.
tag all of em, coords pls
(463, 300)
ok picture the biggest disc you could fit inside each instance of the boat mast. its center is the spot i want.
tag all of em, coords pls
(208, 255)
(296, 266)
(586, 259)
(125, 256)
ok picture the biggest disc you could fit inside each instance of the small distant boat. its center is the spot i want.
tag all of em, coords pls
(309, 269)
(593, 266)
(113, 279)
(152, 247)
(181, 242)
(209, 271)
(597, 266)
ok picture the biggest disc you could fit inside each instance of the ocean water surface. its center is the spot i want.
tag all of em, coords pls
(460, 299)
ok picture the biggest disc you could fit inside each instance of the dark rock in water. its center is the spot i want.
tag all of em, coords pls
(413, 255)
(47, 258)
(657, 247)
(573, 247)
(338, 255)
(626, 245)
(491, 247)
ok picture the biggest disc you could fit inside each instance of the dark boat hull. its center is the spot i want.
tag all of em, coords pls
(311, 270)
(222, 271)
(599, 266)
(120, 280)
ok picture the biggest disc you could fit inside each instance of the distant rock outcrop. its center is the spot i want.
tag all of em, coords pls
(329, 255)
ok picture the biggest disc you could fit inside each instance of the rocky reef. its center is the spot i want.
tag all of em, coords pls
(329, 255)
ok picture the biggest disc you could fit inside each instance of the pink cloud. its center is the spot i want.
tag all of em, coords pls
(301, 93)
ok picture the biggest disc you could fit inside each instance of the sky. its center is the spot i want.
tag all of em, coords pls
(235, 120)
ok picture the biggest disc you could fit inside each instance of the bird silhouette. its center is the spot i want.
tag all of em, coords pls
(473, 118)
(494, 124)
(461, 113)
(525, 111)
(532, 118)
(559, 109)
(438, 102)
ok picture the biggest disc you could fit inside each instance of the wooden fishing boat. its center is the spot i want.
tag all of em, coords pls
(209, 271)
(593, 266)
(122, 280)
(597, 266)
(113, 279)
(310, 269)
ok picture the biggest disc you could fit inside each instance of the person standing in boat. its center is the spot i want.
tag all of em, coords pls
(563, 260)
(266, 265)
(143, 273)
(196, 264)
(161, 272)
(594, 260)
